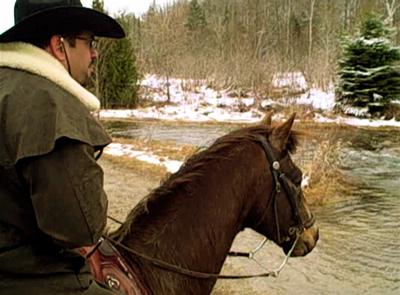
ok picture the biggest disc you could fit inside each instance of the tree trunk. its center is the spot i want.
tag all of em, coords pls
(310, 34)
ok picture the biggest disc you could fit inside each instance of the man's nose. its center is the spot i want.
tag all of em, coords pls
(94, 54)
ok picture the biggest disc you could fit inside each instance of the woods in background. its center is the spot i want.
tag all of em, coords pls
(244, 43)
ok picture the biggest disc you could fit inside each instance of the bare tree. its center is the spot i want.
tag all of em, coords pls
(391, 8)
(247, 41)
(289, 15)
(310, 30)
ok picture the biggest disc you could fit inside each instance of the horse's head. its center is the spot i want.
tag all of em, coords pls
(282, 214)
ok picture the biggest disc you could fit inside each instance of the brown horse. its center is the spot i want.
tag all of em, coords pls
(192, 219)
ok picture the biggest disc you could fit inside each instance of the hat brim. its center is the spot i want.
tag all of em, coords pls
(63, 19)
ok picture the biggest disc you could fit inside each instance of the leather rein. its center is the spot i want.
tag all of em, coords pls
(280, 181)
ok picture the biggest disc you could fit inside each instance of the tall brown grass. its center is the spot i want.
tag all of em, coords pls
(325, 179)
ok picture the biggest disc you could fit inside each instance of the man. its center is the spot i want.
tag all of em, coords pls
(51, 188)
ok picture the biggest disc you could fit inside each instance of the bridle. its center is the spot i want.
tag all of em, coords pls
(292, 192)
(280, 181)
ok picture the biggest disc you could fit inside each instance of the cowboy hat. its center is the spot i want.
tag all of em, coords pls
(46, 17)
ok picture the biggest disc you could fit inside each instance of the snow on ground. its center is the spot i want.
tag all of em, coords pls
(357, 122)
(118, 149)
(295, 81)
(203, 104)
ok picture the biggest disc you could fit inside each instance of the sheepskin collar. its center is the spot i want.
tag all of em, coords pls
(23, 56)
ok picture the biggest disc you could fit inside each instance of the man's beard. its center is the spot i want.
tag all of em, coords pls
(87, 80)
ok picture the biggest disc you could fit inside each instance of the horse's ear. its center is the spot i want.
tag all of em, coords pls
(267, 120)
(281, 133)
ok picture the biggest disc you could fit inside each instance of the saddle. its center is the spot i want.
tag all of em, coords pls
(109, 268)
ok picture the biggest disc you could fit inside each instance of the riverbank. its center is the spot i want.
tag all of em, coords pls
(199, 111)
(195, 101)
(160, 148)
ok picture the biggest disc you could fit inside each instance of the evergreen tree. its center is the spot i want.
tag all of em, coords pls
(196, 18)
(117, 78)
(98, 5)
(368, 77)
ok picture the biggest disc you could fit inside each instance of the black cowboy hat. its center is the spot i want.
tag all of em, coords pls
(46, 17)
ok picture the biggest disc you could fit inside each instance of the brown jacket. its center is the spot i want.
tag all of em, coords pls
(51, 188)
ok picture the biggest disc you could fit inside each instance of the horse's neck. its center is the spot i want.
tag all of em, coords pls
(194, 227)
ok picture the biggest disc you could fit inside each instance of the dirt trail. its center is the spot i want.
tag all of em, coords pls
(124, 188)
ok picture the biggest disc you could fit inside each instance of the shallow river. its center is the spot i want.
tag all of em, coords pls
(359, 247)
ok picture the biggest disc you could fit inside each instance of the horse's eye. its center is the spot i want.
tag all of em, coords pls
(295, 175)
(298, 180)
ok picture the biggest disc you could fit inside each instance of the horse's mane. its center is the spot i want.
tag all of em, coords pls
(195, 166)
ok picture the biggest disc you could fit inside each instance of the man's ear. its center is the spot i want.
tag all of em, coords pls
(56, 48)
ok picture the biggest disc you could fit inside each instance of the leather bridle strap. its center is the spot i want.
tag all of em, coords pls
(276, 173)
(280, 181)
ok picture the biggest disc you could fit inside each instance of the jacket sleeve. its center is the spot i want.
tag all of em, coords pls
(66, 189)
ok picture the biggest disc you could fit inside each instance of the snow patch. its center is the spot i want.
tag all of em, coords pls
(118, 149)
(203, 104)
(294, 81)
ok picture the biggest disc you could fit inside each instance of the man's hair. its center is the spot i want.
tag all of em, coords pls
(42, 41)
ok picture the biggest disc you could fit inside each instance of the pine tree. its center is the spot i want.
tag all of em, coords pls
(117, 78)
(368, 77)
(98, 5)
(196, 18)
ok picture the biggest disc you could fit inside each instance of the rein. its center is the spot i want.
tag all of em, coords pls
(202, 275)
(280, 181)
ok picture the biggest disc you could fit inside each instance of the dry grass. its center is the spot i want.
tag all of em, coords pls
(325, 178)
(140, 167)
(160, 148)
